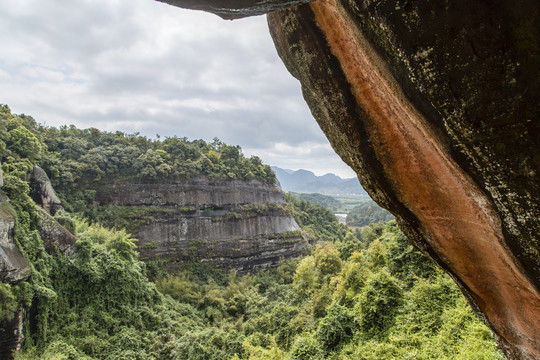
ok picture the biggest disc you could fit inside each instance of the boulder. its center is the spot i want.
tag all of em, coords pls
(42, 191)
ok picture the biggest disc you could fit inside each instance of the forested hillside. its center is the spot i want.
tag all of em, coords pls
(355, 295)
(367, 213)
(327, 201)
(76, 158)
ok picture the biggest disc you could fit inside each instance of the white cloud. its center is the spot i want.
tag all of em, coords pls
(140, 65)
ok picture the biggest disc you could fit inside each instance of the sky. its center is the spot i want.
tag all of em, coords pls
(144, 66)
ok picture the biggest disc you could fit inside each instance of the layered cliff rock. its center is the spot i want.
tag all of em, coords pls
(233, 224)
(435, 105)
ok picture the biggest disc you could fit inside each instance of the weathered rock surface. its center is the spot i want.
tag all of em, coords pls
(12, 334)
(235, 9)
(233, 224)
(55, 237)
(433, 109)
(435, 105)
(42, 191)
(13, 266)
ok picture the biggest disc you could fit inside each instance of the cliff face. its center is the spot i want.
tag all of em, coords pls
(13, 266)
(234, 224)
(435, 105)
(13, 269)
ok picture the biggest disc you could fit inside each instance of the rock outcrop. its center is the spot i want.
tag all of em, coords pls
(237, 9)
(55, 237)
(42, 191)
(242, 225)
(435, 105)
(13, 266)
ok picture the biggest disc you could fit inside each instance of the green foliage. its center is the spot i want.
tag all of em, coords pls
(326, 201)
(306, 276)
(9, 302)
(327, 260)
(379, 303)
(360, 295)
(367, 213)
(336, 328)
(24, 143)
(306, 347)
(85, 158)
(79, 161)
(319, 223)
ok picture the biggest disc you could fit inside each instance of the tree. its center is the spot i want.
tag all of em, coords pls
(379, 304)
(25, 143)
(327, 260)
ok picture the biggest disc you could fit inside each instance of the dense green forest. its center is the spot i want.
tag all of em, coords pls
(75, 157)
(327, 201)
(367, 213)
(354, 295)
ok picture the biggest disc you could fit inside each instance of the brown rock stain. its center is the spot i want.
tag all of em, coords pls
(457, 218)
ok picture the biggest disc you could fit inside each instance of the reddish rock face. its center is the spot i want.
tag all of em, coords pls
(435, 105)
(407, 163)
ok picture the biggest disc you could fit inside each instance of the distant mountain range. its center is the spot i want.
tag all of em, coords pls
(304, 181)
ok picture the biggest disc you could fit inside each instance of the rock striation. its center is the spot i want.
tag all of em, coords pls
(242, 225)
(435, 105)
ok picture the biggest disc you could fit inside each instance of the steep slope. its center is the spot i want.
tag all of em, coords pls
(229, 223)
(435, 105)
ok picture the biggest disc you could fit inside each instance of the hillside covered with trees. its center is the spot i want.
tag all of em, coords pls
(367, 213)
(354, 295)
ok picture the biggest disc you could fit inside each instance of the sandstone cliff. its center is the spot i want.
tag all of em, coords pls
(234, 224)
(435, 105)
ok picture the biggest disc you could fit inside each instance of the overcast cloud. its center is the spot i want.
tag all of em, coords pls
(143, 66)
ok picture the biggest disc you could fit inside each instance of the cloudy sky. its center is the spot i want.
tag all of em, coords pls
(143, 66)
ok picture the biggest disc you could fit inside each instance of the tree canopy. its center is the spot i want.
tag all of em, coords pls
(367, 213)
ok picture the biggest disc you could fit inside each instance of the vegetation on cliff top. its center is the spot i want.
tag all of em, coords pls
(73, 156)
